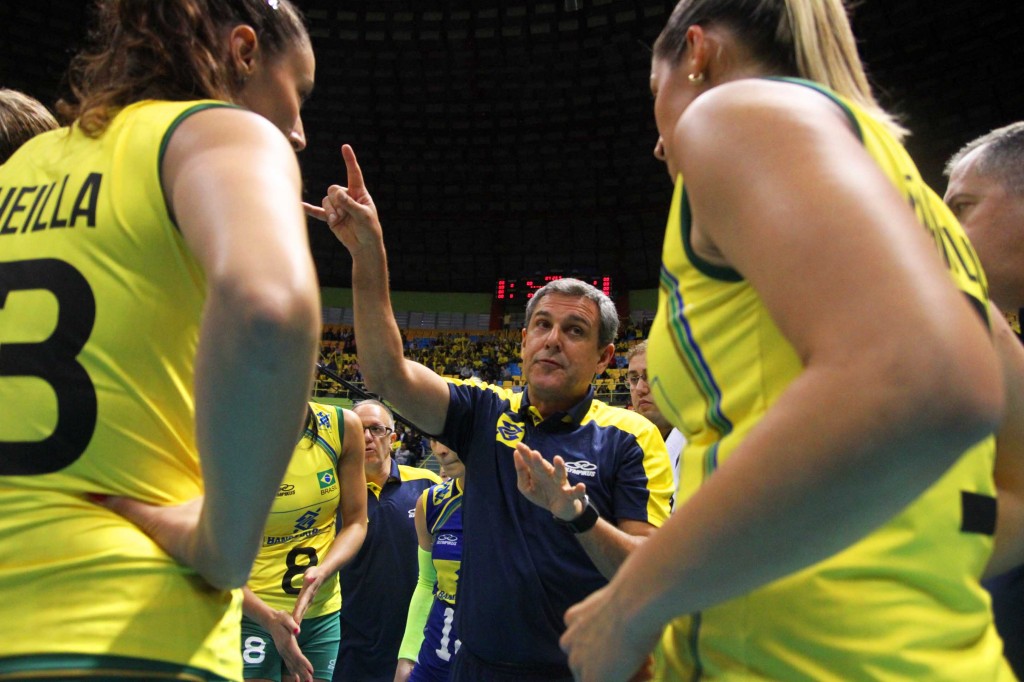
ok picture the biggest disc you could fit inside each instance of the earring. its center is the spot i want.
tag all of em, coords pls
(695, 78)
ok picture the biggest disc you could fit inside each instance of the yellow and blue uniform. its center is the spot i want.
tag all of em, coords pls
(100, 305)
(520, 570)
(300, 530)
(443, 507)
(903, 603)
(377, 584)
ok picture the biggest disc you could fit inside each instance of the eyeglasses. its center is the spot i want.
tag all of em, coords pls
(378, 430)
(633, 378)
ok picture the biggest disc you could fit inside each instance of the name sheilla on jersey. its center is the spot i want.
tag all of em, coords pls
(71, 202)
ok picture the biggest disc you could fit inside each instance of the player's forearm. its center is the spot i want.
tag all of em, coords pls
(379, 343)
(256, 609)
(418, 393)
(608, 546)
(419, 607)
(253, 378)
(824, 468)
(345, 546)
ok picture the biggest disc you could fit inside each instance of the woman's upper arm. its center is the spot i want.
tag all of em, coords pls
(351, 469)
(233, 184)
(422, 533)
(783, 191)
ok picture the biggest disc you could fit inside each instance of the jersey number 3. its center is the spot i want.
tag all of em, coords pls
(54, 360)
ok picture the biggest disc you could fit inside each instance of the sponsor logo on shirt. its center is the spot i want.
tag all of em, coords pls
(508, 430)
(307, 520)
(280, 540)
(446, 539)
(412, 513)
(285, 490)
(323, 420)
(581, 468)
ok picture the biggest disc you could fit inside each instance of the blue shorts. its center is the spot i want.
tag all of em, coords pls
(440, 642)
(318, 640)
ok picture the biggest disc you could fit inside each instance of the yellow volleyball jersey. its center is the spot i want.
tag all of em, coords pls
(903, 603)
(100, 304)
(443, 512)
(301, 526)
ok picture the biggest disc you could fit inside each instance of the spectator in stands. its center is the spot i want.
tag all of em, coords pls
(576, 515)
(986, 194)
(643, 402)
(621, 393)
(377, 584)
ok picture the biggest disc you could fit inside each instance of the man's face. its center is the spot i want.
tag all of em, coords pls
(377, 447)
(560, 351)
(640, 390)
(993, 218)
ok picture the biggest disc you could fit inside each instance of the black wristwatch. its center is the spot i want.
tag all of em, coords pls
(584, 522)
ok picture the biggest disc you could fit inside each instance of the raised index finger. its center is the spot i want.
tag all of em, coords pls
(355, 173)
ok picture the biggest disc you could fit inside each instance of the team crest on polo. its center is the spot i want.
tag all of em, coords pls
(441, 492)
(509, 431)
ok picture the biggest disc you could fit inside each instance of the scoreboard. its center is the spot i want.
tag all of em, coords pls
(521, 289)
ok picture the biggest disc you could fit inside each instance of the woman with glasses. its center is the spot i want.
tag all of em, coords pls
(316, 525)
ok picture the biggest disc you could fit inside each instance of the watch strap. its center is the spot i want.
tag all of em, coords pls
(584, 522)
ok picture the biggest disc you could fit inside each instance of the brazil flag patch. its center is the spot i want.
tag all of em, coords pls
(325, 478)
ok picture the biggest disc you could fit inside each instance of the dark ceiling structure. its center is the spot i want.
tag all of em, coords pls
(508, 138)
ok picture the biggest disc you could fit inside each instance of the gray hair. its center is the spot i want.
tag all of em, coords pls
(1001, 156)
(381, 405)
(567, 286)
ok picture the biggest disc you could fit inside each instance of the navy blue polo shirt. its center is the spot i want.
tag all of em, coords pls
(520, 569)
(377, 584)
